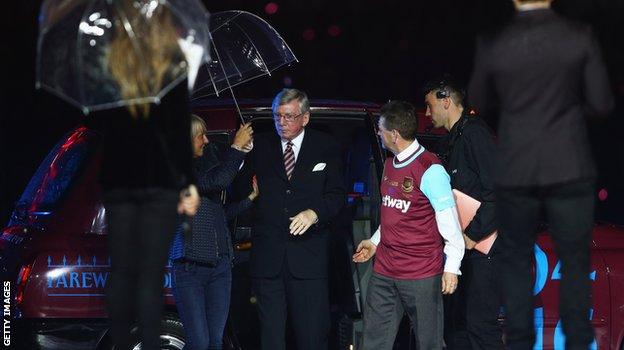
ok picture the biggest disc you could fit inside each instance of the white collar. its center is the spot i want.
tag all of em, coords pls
(297, 141)
(533, 6)
(408, 151)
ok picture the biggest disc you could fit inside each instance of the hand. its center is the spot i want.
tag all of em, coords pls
(301, 222)
(243, 138)
(365, 250)
(248, 147)
(469, 243)
(254, 193)
(189, 201)
(449, 283)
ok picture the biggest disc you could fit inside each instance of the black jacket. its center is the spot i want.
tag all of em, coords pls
(468, 153)
(210, 237)
(540, 75)
(322, 191)
(152, 152)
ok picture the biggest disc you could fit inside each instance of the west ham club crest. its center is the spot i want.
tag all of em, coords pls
(408, 184)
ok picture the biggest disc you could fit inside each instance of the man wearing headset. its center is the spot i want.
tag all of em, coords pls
(468, 152)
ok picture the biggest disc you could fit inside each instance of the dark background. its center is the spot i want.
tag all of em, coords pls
(384, 50)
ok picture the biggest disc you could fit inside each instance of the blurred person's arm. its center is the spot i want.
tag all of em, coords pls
(596, 87)
(481, 94)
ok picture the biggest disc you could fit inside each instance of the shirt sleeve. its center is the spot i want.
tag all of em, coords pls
(436, 186)
(448, 225)
(376, 237)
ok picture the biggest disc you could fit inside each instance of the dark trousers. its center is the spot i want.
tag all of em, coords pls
(202, 295)
(140, 228)
(569, 210)
(387, 299)
(307, 303)
(471, 313)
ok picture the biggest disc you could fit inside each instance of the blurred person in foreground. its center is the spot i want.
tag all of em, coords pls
(419, 243)
(544, 73)
(202, 258)
(146, 173)
(468, 152)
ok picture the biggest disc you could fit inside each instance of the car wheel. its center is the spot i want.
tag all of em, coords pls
(171, 336)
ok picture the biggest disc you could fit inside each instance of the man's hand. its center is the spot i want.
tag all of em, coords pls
(254, 193)
(469, 243)
(449, 283)
(301, 222)
(365, 250)
(189, 201)
(243, 138)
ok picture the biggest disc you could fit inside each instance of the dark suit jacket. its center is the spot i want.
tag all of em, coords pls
(322, 191)
(544, 73)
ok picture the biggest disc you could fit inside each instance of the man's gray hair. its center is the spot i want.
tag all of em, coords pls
(287, 95)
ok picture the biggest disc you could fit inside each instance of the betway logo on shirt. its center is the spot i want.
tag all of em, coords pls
(399, 204)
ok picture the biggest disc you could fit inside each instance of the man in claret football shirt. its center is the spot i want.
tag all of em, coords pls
(419, 243)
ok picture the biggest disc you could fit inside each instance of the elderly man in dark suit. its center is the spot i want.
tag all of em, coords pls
(545, 73)
(299, 176)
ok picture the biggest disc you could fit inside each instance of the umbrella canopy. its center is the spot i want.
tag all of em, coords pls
(74, 56)
(244, 47)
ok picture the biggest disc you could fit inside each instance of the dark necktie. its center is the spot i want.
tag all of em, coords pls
(289, 159)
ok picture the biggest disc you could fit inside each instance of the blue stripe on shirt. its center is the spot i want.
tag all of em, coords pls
(436, 185)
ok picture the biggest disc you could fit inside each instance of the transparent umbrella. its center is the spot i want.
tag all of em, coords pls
(75, 37)
(244, 47)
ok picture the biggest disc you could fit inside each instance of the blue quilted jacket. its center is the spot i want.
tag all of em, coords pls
(209, 235)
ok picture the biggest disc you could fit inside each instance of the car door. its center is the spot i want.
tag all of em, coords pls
(548, 329)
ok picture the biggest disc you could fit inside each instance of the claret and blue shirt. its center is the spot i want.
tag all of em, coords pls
(421, 233)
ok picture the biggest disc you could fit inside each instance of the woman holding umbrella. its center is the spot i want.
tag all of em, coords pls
(202, 258)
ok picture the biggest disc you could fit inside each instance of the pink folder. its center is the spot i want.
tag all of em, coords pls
(467, 208)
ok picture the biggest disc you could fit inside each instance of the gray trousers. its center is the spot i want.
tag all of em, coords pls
(386, 301)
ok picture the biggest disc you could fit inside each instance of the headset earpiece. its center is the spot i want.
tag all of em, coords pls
(440, 94)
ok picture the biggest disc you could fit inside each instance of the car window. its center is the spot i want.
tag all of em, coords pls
(56, 174)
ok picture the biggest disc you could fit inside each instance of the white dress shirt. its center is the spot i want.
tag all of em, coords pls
(296, 147)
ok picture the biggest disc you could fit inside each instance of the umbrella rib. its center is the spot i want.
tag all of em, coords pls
(228, 82)
(233, 63)
(214, 84)
(226, 22)
(78, 66)
(276, 33)
(268, 71)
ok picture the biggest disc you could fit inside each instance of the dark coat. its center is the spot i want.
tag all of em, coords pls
(543, 73)
(210, 236)
(152, 152)
(322, 191)
(468, 153)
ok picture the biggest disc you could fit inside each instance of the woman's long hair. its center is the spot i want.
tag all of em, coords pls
(141, 52)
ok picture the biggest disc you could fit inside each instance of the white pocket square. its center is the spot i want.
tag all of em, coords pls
(319, 167)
